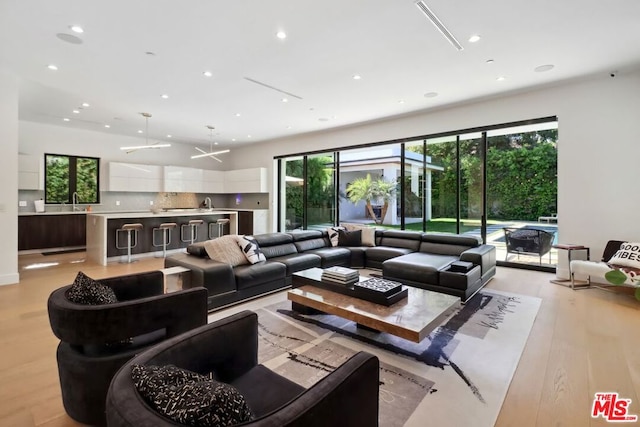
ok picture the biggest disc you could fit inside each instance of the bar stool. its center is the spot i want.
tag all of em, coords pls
(192, 226)
(132, 238)
(221, 224)
(166, 228)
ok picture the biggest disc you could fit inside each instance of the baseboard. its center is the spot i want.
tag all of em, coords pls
(9, 279)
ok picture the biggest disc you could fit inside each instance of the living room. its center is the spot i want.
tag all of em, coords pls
(568, 350)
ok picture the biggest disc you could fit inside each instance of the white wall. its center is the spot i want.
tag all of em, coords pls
(8, 178)
(38, 138)
(598, 154)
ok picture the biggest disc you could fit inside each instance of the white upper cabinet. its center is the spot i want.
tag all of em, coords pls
(252, 180)
(213, 181)
(179, 179)
(135, 177)
(29, 173)
(183, 180)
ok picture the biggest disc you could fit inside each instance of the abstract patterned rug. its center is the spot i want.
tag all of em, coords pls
(458, 376)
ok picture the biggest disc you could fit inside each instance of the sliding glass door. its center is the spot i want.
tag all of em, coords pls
(480, 182)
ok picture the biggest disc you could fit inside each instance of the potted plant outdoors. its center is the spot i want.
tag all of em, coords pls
(368, 189)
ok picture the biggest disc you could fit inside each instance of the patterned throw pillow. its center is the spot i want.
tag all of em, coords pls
(333, 234)
(225, 249)
(627, 256)
(190, 398)
(87, 291)
(251, 249)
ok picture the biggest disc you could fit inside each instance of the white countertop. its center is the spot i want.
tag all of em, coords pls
(160, 214)
(172, 213)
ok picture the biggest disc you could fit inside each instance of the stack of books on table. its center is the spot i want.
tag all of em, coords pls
(340, 275)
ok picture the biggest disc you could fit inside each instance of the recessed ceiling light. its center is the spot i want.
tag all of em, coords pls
(139, 131)
(107, 126)
(285, 100)
(164, 96)
(431, 94)
(169, 136)
(289, 127)
(215, 143)
(207, 74)
(401, 101)
(474, 38)
(490, 61)
(52, 67)
(237, 114)
(233, 139)
(281, 35)
(248, 136)
(323, 119)
(543, 68)
(66, 119)
(501, 78)
(357, 77)
(76, 29)
(85, 104)
(149, 53)
(76, 112)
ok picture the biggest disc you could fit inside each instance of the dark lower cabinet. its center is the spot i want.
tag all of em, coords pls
(51, 231)
(245, 222)
(145, 240)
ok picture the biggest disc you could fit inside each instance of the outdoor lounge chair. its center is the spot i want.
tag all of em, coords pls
(528, 241)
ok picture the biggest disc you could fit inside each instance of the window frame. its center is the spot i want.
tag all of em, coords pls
(73, 179)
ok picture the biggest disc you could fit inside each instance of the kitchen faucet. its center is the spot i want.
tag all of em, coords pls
(207, 202)
(74, 200)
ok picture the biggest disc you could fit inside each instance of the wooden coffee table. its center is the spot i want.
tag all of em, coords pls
(412, 318)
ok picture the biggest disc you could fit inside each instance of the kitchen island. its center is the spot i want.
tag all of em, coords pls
(101, 232)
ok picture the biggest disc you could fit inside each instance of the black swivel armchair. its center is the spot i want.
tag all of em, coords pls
(95, 340)
(348, 396)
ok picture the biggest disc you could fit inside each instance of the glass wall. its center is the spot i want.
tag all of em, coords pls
(292, 185)
(369, 180)
(320, 190)
(522, 191)
(479, 182)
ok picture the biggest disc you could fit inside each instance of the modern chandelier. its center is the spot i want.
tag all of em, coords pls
(146, 136)
(211, 153)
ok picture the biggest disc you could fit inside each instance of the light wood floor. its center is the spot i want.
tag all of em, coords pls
(582, 342)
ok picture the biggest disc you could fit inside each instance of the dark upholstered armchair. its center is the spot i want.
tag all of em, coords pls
(528, 241)
(229, 348)
(95, 340)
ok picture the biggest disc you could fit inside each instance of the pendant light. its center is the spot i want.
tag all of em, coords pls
(146, 137)
(211, 153)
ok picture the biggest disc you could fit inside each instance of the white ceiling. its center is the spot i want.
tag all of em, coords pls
(390, 43)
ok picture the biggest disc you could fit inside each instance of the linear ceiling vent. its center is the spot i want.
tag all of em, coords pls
(272, 87)
(439, 25)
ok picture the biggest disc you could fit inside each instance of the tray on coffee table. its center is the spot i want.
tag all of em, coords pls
(388, 292)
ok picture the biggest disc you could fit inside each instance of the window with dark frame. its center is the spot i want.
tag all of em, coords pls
(66, 175)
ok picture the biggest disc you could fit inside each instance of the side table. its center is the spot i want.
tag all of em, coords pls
(176, 278)
(566, 254)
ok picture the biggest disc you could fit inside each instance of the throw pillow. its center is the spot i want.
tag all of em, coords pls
(333, 234)
(349, 238)
(87, 291)
(190, 398)
(225, 249)
(627, 256)
(368, 233)
(250, 249)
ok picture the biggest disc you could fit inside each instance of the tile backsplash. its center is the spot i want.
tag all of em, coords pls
(130, 201)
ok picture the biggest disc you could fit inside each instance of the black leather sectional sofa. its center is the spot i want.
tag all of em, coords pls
(413, 258)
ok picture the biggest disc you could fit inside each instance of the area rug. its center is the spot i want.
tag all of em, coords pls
(458, 376)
